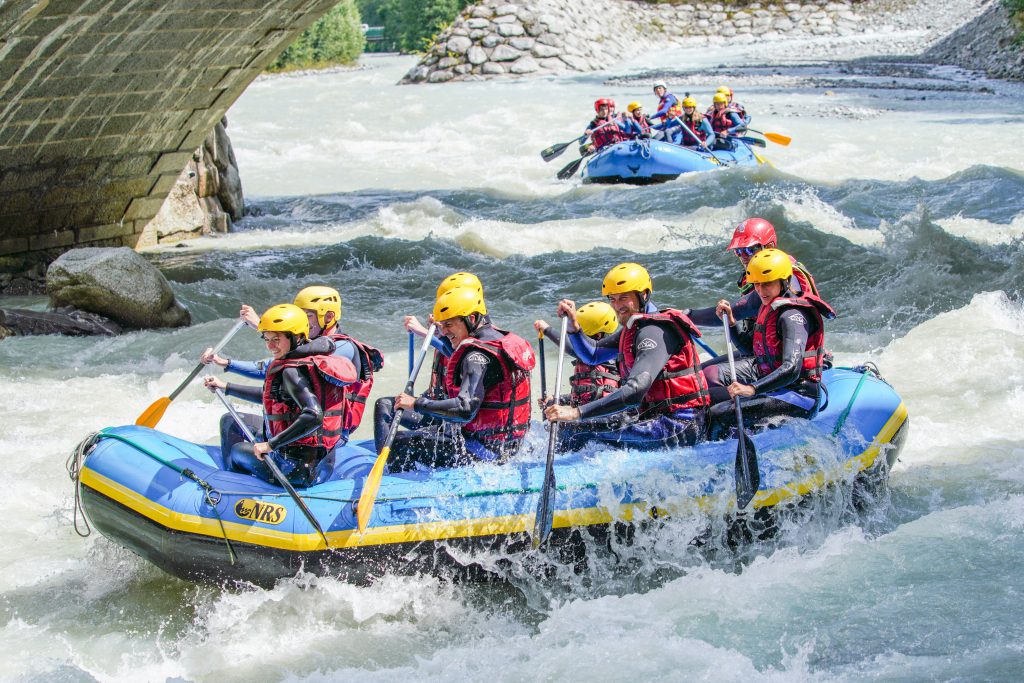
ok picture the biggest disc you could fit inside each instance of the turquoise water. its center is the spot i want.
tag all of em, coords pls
(909, 213)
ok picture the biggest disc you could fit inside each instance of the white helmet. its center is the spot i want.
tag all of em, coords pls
(659, 84)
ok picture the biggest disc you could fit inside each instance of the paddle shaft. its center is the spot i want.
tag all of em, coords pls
(704, 346)
(216, 349)
(741, 453)
(543, 370)
(368, 497)
(274, 469)
(545, 513)
(412, 350)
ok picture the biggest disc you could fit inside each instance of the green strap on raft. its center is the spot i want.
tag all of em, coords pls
(212, 495)
(864, 370)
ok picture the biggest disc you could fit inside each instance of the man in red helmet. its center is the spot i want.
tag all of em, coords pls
(750, 237)
(606, 128)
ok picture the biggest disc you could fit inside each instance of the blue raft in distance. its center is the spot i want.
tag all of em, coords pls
(645, 162)
(139, 488)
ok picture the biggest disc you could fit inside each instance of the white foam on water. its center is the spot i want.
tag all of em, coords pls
(980, 230)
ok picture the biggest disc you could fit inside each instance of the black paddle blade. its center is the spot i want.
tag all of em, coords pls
(545, 515)
(748, 476)
(570, 170)
(554, 151)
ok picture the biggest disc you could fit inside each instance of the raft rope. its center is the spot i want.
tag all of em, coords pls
(865, 370)
(212, 495)
(74, 468)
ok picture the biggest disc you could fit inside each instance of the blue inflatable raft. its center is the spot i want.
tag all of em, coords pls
(172, 502)
(644, 162)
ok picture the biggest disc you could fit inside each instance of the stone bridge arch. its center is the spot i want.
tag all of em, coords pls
(102, 103)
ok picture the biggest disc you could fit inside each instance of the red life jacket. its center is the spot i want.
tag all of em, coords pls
(356, 393)
(504, 414)
(436, 390)
(681, 383)
(675, 110)
(591, 382)
(326, 374)
(767, 341)
(720, 121)
(608, 135)
(694, 125)
(641, 123)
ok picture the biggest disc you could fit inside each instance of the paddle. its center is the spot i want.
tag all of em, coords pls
(412, 350)
(151, 415)
(543, 371)
(285, 484)
(748, 476)
(777, 138)
(369, 495)
(753, 142)
(556, 150)
(545, 515)
(570, 170)
(704, 346)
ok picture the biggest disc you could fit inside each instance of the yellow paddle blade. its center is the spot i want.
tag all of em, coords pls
(151, 415)
(369, 494)
(779, 138)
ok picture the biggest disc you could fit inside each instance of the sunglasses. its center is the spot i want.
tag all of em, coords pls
(749, 251)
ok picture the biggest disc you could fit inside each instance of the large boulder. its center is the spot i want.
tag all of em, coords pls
(116, 283)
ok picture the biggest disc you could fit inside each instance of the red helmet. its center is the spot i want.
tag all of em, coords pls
(605, 100)
(753, 231)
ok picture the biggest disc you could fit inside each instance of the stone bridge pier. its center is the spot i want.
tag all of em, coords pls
(102, 103)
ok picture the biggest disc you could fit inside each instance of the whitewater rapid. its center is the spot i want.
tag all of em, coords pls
(381, 190)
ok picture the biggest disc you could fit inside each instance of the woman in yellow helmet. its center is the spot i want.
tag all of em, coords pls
(486, 412)
(663, 388)
(322, 307)
(302, 397)
(725, 122)
(588, 382)
(783, 375)
(635, 123)
(697, 129)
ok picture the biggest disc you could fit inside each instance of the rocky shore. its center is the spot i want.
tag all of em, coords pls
(502, 39)
(989, 43)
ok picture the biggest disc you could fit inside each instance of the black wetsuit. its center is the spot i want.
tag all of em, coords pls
(744, 309)
(298, 463)
(616, 418)
(780, 392)
(434, 436)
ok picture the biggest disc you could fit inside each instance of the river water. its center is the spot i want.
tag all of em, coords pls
(903, 193)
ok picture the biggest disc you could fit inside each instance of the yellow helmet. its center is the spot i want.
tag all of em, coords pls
(595, 317)
(460, 280)
(724, 89)
(720, 97)
(320, 299)
(458, 303)
(626, 277)
(633, 106)
(285, 318)
(769, 265)
(689, 102)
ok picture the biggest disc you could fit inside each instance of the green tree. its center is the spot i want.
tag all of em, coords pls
(411, 24)
(335, 38)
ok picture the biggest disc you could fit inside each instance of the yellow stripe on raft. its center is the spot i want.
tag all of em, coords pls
(466, 528)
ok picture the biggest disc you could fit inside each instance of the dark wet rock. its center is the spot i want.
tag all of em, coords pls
(65, 320)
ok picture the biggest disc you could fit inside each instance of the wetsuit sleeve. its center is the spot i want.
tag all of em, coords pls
(296, 385)
(657, 344)
(346, 349)
(553, 337)
(795, 329)
(246, 392)
(737, 123)
(705, 126)
(595, 352)
(463, 407)
(250, 369)
(745, 307)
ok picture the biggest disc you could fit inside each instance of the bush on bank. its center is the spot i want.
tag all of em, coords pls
(410, 25)
(335, 38)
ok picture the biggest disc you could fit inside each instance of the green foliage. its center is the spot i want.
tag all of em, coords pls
(335, 38)
(410, 25)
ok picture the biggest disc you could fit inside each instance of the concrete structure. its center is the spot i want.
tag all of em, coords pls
(103, 102)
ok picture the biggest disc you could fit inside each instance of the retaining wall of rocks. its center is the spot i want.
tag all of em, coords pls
(498, 38)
